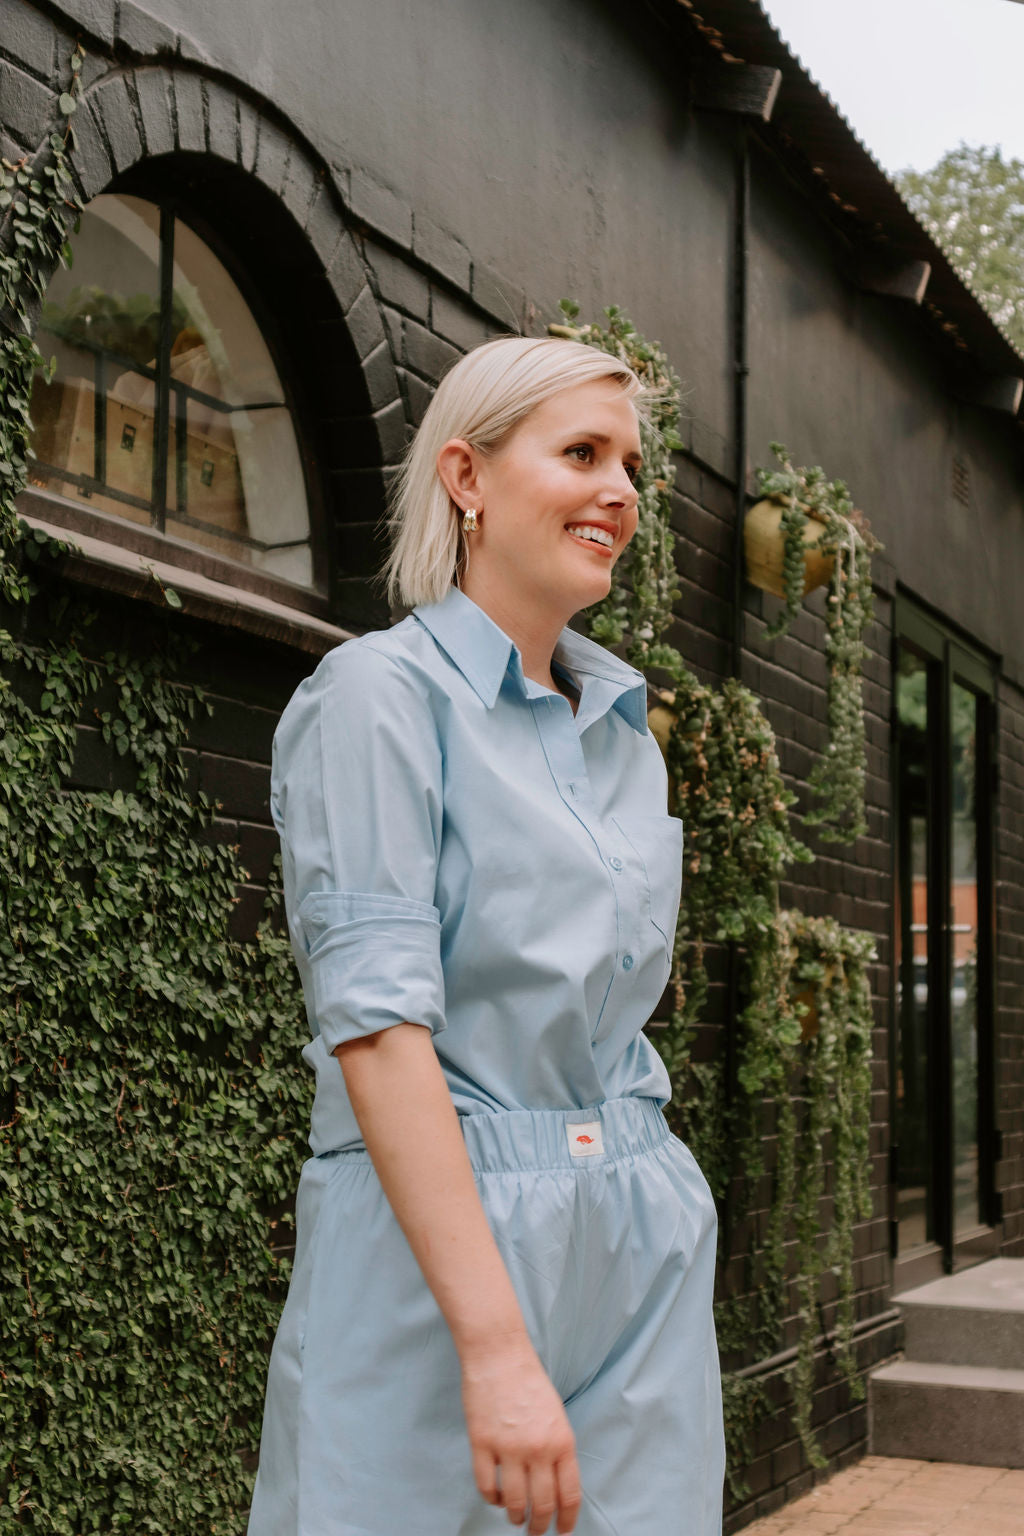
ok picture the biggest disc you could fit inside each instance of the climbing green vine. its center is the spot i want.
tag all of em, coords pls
(802, 1039)
(806, 1048)
(151, 1097)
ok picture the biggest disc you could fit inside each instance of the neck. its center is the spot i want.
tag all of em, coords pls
(533, 626)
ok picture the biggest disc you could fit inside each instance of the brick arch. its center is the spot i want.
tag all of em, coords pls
(156, 128)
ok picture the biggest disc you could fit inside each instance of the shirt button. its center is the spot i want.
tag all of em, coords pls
(616, 864)
(627, 962)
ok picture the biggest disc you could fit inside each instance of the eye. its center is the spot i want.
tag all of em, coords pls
(583, 453)
(633, 472)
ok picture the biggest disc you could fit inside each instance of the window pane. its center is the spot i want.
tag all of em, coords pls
(235, 460)
(914, 1129)
(234, 480)
(94, 423)
(230, 473)
(205, 502)
(964, 999)
(131, 422)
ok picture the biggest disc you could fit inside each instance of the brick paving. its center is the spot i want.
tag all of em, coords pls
(889, 1496)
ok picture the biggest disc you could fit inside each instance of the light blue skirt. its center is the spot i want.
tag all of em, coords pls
(610, 1244)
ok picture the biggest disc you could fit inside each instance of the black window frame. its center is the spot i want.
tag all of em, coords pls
(153, 542)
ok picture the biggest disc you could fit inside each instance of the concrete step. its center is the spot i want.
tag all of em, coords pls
(935, 1412)
(973, 1318)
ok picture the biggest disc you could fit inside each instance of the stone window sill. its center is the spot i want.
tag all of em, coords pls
(96, 563)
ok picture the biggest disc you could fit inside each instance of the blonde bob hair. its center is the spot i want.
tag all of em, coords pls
(481, 399)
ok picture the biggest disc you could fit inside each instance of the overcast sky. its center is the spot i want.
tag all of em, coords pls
(914, 77)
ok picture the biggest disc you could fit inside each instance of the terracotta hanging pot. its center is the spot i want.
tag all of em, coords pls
(810, 1023)
(661, 720)
(765, 549)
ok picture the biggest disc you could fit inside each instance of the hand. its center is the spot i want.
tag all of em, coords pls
(524, 1450)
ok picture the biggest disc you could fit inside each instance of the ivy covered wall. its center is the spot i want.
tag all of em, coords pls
(153, 1107)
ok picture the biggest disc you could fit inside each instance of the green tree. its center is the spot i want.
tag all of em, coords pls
(973, 203)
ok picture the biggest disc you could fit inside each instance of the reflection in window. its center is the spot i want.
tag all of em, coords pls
(166, 408)
(915, 1069)
(964, 997)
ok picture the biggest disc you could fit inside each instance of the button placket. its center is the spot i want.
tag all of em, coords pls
(633, 904)
(564, 753)
(563, 749)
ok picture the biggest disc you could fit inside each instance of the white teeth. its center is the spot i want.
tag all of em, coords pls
(594, 535)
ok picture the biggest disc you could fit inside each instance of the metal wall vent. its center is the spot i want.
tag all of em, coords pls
(961, 482)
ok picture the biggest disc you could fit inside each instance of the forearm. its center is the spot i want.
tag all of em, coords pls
(408, 1122)
(520, 1438)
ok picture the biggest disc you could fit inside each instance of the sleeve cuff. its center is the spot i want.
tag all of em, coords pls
(375, 961)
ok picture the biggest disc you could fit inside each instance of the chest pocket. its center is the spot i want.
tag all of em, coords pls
(657, 842)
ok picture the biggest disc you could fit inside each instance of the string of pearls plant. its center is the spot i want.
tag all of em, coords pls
(837, 780)
(802, 1040)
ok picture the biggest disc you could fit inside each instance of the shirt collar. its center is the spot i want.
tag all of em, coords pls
(483, 653)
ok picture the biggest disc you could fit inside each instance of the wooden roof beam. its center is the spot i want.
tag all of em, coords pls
(993, 392)
(749, 90)
(893, 274)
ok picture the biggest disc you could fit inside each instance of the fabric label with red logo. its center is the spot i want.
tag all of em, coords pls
(585, 1140)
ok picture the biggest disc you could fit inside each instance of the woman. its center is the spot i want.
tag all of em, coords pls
(501, 1301)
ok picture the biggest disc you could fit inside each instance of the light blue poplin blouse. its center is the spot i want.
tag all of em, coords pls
(461, 852)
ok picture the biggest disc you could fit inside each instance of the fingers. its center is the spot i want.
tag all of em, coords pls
(543, 1499)
(514, 1491)
(569, 1493)
(540, 1492)
(485, 1473)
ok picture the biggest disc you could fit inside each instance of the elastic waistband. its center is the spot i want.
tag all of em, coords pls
(504, 1140)
(511, 1139)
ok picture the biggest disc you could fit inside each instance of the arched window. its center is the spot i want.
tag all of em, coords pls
(166, 408)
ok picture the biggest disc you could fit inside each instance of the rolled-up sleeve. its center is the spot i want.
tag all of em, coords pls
(356, 795)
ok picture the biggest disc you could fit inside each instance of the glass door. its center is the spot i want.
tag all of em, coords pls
(944, 1205)
(916, 887)
(963, 997)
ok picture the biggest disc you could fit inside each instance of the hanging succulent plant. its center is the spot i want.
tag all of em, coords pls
(811, 502)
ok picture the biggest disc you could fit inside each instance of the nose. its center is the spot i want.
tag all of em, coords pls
(619, 490)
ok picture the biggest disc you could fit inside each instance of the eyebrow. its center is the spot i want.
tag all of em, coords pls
(602, 437)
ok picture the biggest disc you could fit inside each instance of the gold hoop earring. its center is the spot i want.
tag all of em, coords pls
(470, 524)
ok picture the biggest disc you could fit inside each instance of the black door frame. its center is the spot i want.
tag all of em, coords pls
(951, 658)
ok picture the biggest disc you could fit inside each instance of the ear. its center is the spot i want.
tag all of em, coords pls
(458, 468)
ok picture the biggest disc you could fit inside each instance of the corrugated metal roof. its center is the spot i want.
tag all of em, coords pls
(809, 129)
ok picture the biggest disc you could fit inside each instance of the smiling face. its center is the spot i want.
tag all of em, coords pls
(557, 502)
